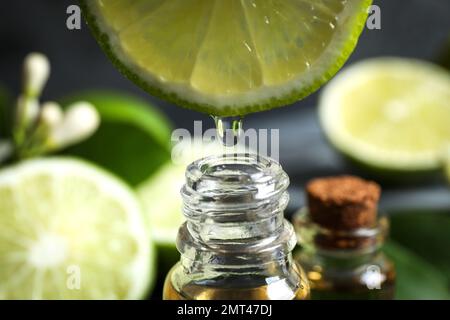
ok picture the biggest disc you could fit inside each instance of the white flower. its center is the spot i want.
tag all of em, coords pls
(80, 121)
(36, 71)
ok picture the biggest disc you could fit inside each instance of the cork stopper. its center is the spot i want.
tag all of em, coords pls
(343, 202)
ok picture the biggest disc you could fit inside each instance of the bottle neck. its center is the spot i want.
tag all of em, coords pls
(340, 247)
(234, 207)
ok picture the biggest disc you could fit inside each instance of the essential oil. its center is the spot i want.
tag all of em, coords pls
(235, 243)
(340, 240)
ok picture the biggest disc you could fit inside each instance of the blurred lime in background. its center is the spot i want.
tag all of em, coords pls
(390, 114)
(133, 139)
(70, 230)
(162, 200)
(162, 204)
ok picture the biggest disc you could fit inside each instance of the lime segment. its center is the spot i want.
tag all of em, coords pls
(228, 57)
(70, 231)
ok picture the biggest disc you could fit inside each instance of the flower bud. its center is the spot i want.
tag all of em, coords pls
(36, 71)
(51, 114)
(80, 121)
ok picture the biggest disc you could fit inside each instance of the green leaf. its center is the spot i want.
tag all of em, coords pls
(133, 140)
(416, 278)
(427, 234)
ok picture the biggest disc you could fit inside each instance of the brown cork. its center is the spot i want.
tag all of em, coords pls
(343, 202)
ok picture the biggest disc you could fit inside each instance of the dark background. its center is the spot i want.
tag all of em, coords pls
(410, 28)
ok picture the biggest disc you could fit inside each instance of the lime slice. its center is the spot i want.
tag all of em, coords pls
(228, 57)
(70, 231)
(389, 113)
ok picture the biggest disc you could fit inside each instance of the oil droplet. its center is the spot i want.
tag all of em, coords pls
(229, 129)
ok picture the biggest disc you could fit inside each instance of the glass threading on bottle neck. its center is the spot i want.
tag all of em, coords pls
(234, 208)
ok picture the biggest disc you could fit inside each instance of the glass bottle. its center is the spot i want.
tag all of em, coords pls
(235, 243)
(345, 264)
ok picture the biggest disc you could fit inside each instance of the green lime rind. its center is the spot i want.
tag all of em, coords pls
(447, 171)
(347, 45)
(119, 106)
(133, 139)
(447, 166)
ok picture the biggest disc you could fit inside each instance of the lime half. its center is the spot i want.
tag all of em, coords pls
(228, 57)
(389, 113)
(162, 203)
(161, 197)
(70, 231)
(160, 194)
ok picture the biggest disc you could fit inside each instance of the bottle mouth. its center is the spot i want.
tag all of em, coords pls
(232, 181)
(234, 203)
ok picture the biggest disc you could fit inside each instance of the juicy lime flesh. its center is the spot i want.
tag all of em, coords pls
(213, 50)
(63, 236)
(404, 111)
(188, 41)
